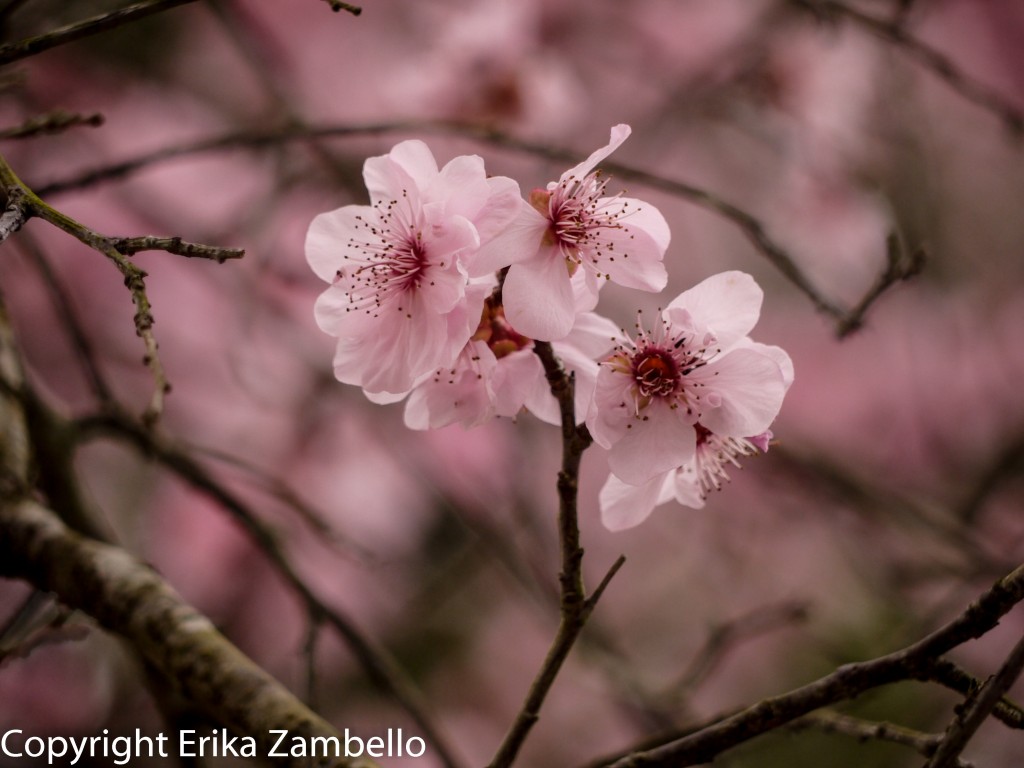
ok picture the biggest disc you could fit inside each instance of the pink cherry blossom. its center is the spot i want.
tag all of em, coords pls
(696, 370)
(569, 226)
(498, 374)
(624, 506)
(398, 302)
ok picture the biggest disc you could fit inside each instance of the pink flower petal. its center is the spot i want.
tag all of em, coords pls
(538, 299)
(518, 241)
(328, 233)
(728, 304)
(619, 134)
(637, 249)
(625, 506)
(659, 441)
(409, 167)
(743, 392)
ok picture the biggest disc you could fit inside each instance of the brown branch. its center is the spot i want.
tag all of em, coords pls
(948, 674)
(23, 203)
(899, 266)
(49, 123)
(128, 598)
(377, 662)
(930, 58)
(575, 606)
(338, 5)
(863, 730)
(977, 709)
(845, 683)
(85, 28)
(129, 246)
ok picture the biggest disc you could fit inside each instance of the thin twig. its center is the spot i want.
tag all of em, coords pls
(62, 305)
(23, 203)
(977, 709)
(82, 29)
(575, 606)
(338, 5)
(51, 122)
(723, 637)
(828, 721)
(940, 64)
(899, 266)
(948, 674)
(129, 246)
(278, 489)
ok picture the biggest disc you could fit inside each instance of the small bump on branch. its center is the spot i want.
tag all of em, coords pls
(338, 5)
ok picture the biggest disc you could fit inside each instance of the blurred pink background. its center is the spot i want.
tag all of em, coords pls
(894, 493)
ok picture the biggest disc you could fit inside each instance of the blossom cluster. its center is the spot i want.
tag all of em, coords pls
(440, 287)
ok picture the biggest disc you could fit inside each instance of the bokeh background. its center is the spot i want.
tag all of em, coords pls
(893, 495)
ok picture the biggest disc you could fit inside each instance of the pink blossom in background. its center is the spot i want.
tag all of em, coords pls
(568, 226)
(398, 268)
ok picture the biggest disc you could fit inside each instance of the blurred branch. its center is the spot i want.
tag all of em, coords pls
(338, 5)
(723, 637)
(828, 721)
(575, 605)
(377, 662)
(845, 683)
(276, 488)
(127, 597)
(899, 267)
(930, 58)
(10, 7)
(51, 122)
(976, 710)
(1006, 464)
(85, 28)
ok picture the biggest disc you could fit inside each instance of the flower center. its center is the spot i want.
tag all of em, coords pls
(656, 373)
(391, 258)
(496, 332)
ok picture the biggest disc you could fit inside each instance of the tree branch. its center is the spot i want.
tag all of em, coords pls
(130, 599)
(930, 58)
(23, 203)
(864, 730)
(575, 606)
(977, 709)
(377, 662)
(848, 681)
(51, 122)
(338, 5)
(82, 29)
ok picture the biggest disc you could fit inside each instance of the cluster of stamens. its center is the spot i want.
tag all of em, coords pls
(581, 216)
(714, 454)
(390, 259)
(659, 363)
